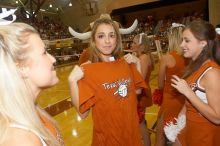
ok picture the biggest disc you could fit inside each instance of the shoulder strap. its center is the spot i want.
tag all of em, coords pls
(198, 81)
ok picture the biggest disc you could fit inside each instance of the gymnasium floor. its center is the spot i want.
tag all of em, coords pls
(76, 131)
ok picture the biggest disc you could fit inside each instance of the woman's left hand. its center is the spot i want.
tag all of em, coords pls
(181, 85)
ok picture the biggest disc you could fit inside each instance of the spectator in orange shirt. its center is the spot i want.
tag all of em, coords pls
(84, 56)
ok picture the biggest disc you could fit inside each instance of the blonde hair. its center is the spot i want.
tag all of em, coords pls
(95, 54)
(144, 42)
(17, 103)
(175, 39)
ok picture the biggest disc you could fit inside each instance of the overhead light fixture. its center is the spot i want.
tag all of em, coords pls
(16, 2)
(50, 5)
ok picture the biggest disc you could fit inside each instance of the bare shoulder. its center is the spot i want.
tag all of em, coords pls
(145, 60)
(166, 56)
(211, 78)
(144, 57)
(213, 74)
(21, 137)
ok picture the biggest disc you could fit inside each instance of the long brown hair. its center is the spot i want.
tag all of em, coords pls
(216, 51)
(202, 31)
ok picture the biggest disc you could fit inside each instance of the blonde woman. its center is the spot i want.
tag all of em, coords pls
(171, 63)
(141, 47)
(26, 69)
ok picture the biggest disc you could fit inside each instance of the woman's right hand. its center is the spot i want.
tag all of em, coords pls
(182, 86)
(76, 74)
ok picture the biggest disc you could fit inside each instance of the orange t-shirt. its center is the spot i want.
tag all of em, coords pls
(173, 101)
(109, 88)
(199, 131)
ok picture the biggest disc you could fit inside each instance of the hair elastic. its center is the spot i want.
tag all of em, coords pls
(177, 25)
(140, 38)
(217, 30)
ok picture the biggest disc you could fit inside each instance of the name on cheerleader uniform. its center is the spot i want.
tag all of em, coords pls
(117, 83)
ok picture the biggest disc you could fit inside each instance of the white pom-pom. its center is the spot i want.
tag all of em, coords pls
(171, 130)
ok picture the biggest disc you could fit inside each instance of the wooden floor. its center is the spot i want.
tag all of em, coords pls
(75, 131)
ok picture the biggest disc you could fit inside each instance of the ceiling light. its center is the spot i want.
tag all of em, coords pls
(70, 4)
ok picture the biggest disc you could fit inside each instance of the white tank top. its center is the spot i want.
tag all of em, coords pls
(25, 128)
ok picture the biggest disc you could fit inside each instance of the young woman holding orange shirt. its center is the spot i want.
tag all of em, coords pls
(108, 86)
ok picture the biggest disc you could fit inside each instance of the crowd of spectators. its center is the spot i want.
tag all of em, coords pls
(49, 29)
(159, 28)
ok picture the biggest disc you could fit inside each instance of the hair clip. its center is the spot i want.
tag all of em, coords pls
(177, 25)
(140, 38)
(217, 30)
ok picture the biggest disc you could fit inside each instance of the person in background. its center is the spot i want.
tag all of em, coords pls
(200, 85)
(171, 63)
(108, 86)
(84, 56)
(26, 69)
(141, 47)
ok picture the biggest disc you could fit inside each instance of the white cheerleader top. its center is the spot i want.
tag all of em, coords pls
(200, 91)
